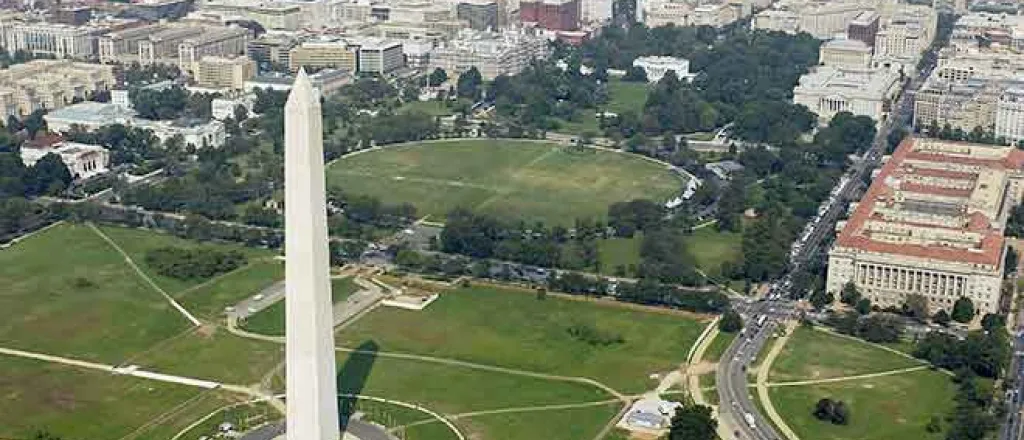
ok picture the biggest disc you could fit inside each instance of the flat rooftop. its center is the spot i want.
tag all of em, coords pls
(937, 200)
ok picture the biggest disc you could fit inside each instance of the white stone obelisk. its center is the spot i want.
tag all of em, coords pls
(309, 324)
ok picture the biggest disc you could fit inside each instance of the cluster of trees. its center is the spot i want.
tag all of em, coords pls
(747, 77)
(1015, 222)
(483, 236)
(127, 145)
(977, 135)
(18, 214)
(731, 322)
(195, 263)
(365, 217)
(985, 354)
(171, 103)
(212, 189)
(542, 94)
(974, 417)
(693, 422)
(650, 292)
(784, 187)
(136, 74)
(48, 176)
(878, 327)
(834, 411)
(8, 59)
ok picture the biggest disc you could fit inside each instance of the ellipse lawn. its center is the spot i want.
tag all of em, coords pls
(508, 178)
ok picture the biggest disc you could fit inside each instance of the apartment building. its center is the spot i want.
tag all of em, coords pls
(224, 73)
(316, 55)
(931, 224)
(50, 84)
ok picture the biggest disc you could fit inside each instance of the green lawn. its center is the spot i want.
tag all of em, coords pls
(718, 346)
(270, 321)
(883, 408)
(213, 355)
(615, 252)
(67, 292)
(138, 242)
(812, 354)
(564, 424)
(710, 248)
(209, 299)
(516, 330)
(707, 383)
(622, 96)
(512, 179)
(452, 389)
(85, 404)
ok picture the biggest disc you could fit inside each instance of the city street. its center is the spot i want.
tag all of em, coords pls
(738, 408)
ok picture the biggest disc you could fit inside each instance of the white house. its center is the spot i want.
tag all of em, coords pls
(657, 67)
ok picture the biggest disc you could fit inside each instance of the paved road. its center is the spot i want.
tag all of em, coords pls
(254, 304)
(1013, 426)
(357, 428)
(737, 408)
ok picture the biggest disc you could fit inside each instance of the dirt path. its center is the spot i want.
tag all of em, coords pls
(696, 365)
(128, 259)
(847, 378)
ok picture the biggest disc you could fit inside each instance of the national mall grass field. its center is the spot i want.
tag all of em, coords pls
(520, 179)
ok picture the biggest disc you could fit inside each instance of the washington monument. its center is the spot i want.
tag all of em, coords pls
(312, 396)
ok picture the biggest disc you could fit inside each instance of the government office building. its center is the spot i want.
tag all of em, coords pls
(931, 224)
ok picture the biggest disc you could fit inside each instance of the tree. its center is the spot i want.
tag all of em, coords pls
(468, 85)
(34, 123)
(834, 411)
(241, 114)
(850, 294)
(1010, 262)
(992, 321)
(863, 306)
(821, 299)
(48, 176)
(693, 422)
(963, 310)
(635, 74)
(437, 77)
(916, 306)
(941, 318)
(731, 322)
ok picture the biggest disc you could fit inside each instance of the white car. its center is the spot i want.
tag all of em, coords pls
(258, 297)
